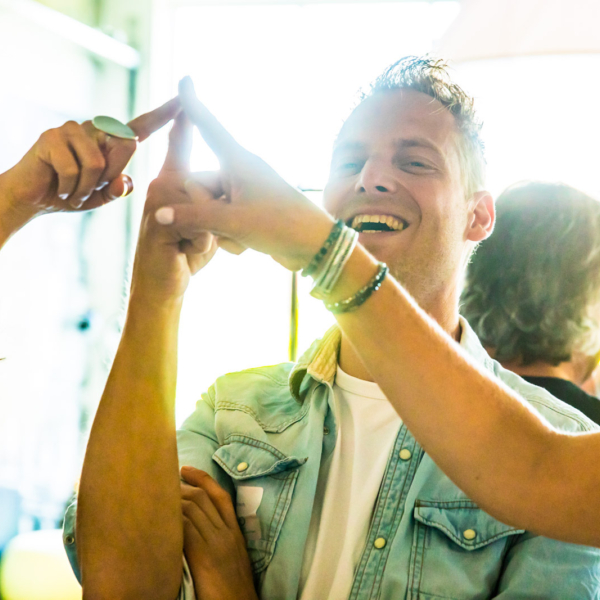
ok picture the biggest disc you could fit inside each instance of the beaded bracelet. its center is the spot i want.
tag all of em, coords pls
(352, 303)
(334, 235)
(329, 274)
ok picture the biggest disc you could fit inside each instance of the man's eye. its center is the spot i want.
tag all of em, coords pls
(416, 166)
(349, 167)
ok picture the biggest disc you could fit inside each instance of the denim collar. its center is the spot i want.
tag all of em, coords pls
(320, 361)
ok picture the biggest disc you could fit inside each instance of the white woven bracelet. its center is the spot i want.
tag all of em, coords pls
(336, 262)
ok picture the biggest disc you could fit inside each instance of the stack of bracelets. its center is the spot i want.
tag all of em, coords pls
(329, 262)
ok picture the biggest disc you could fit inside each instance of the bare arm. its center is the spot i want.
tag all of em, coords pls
(478, 431)
(501, 453)
(129, 523)
(72, 168)
(130, 480)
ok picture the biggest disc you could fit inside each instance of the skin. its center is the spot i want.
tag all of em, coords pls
(72, 168)
(126, 481)
(513, 463)
(214, 546)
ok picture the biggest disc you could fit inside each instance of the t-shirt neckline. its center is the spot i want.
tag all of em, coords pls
(359, 387)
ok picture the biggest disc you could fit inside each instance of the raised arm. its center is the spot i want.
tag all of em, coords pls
(478, 431)
(72, 168)
(129, 522)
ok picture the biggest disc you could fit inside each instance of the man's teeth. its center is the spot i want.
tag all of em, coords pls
(374, 223)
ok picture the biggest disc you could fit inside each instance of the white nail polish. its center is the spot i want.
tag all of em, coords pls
(165, 215)
(63, 196)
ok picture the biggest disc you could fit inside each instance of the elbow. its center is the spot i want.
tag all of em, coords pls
(152, 588)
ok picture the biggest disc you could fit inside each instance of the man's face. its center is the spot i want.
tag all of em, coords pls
(396, 158)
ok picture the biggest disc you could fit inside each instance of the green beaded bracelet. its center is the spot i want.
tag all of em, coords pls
(352, 303)
(336, 231)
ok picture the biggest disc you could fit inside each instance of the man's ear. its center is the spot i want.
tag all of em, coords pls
(482, 216)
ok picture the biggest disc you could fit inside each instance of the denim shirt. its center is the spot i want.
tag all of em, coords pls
(269, 428)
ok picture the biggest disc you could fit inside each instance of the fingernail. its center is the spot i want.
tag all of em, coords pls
(102, 185)
(165, 215)
(128, 186)
(85, 198)
(63, 196)
(76, 203)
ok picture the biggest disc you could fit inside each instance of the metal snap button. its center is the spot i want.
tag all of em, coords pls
(379, 543)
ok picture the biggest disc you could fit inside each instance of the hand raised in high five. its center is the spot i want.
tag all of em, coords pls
(258, 209)
(74, 167)
(166, 258)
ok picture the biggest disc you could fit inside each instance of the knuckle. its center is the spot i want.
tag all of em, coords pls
(69, 172)
(71, 126)
(96, 163)
(199, 495)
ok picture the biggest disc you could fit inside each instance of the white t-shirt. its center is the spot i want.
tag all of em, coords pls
(347, 488)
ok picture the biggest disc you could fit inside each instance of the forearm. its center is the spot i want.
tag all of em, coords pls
(10, 220)
(480, 434)
(129, 529)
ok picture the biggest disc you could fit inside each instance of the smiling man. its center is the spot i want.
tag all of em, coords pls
(334, 497)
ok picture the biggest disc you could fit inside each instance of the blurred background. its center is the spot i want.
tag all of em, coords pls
(282, 76)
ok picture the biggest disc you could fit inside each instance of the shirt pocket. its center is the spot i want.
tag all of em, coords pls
(457, 551)
(265, 478)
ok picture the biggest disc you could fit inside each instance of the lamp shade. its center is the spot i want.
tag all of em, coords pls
(486, 29)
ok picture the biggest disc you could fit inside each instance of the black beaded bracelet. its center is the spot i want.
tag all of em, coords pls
(335, 233)
(352, 303)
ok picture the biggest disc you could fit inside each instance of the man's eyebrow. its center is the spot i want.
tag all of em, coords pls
(348, 147)
(417, 142)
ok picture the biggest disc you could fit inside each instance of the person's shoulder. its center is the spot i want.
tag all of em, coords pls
(560, 414)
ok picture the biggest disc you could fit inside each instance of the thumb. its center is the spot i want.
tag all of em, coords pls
(118, 188)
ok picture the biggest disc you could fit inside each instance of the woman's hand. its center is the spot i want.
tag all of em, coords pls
(73, 167)
(257, 208)
(166, 258)
(214, 545)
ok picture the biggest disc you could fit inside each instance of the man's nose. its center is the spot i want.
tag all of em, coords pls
(376, 178)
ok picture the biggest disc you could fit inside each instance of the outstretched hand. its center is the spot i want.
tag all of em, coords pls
(75, 167)
(167, 258)
(256, 209)
(213, 542)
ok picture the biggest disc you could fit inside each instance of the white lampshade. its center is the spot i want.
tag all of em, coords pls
(486, 29)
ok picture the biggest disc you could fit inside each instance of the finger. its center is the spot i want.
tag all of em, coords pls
(230, 246)
(65, 165)
(211, 180)
(119, 188)
(196, 497)
(201, 244)
(216, 136)
(192, 539)
(145, 125)
(221, 499)
(189, 220)
(91, 166)
(180, 145)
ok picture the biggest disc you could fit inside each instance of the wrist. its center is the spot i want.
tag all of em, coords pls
(11, 218)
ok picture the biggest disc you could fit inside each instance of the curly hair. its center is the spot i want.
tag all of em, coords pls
(533, 288)
(431, 76)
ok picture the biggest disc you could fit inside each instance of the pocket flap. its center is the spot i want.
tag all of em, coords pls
(244, 458)
(463, 522)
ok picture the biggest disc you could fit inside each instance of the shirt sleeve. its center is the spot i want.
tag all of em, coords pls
(538, 567)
